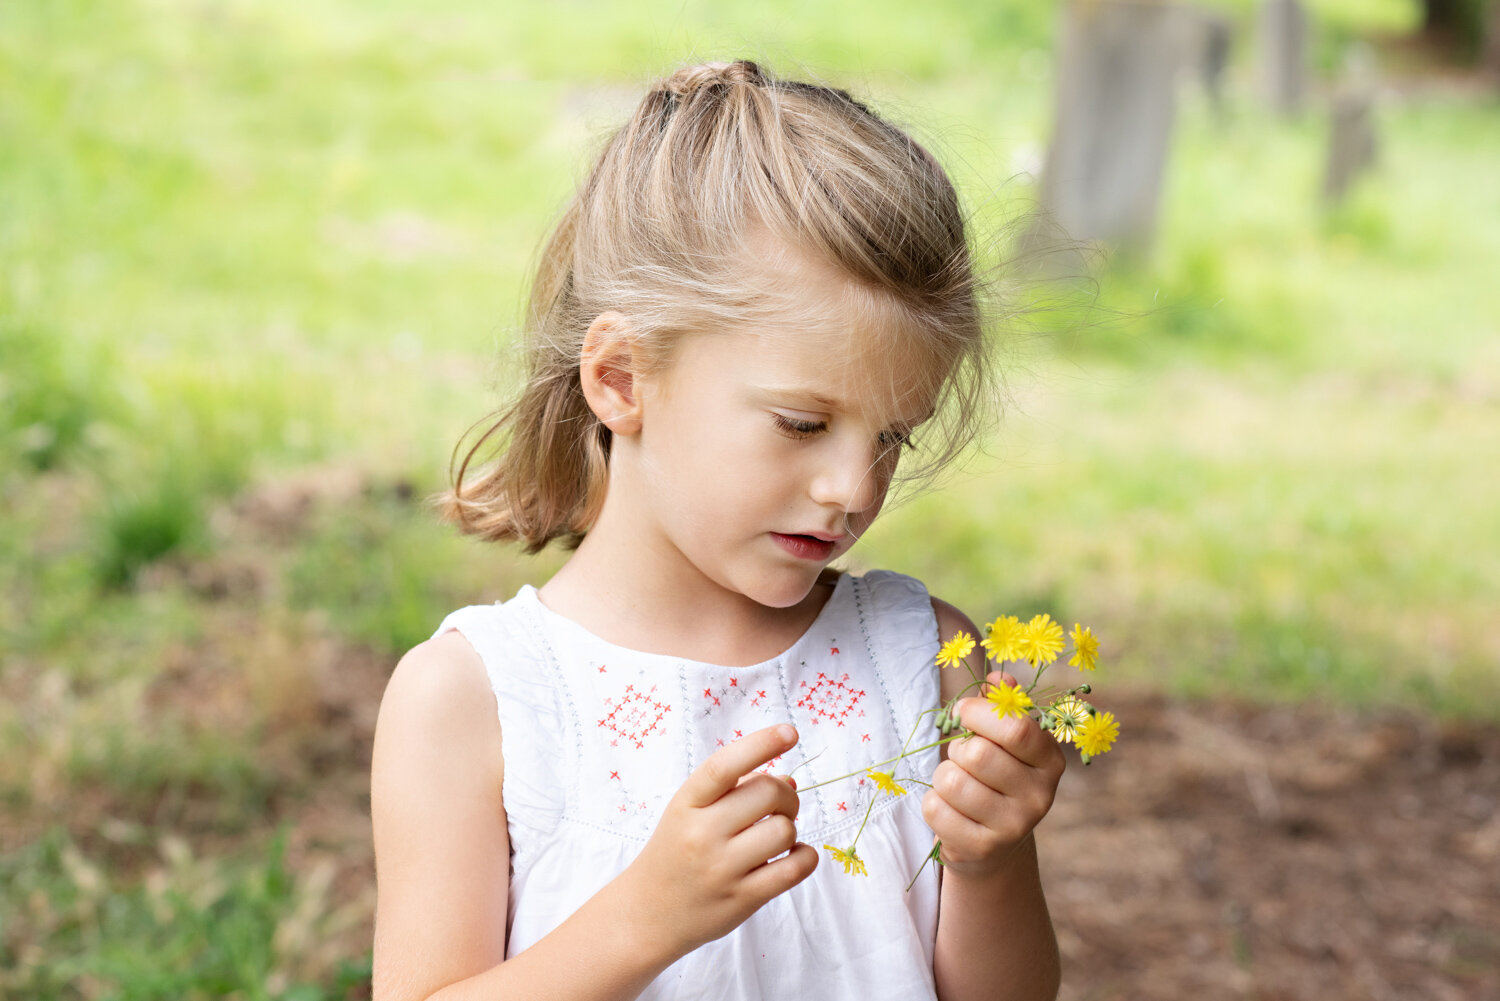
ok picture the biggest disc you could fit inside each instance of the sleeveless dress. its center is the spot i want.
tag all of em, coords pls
(597, 738)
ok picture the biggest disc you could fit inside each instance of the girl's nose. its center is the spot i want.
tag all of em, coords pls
(849, 478)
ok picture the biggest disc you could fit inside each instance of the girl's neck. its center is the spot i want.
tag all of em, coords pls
(648, 610)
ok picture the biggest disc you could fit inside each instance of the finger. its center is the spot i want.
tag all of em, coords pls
(991, 765)
(1020, 735)
(726, 766)
(755, 797)
(791, 782)
(958, 833)
(969, 795)
(1008, 801)
(775, 878)
(979, 716)
(761, 841)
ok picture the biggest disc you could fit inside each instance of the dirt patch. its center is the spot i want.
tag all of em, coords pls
(1232, 851)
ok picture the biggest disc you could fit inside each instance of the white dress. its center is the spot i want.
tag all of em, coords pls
(597, 738)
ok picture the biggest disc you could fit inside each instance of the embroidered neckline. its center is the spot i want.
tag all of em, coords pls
(528, 597)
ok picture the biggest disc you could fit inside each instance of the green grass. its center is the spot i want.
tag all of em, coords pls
(387, 572)
(50, 397)
(253, 254)
(193, 928)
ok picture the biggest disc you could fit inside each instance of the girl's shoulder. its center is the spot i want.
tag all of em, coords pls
(442, 694)
(951, 620)
(438, 695)
(951, 624)
(436, 742)
(887, 591)
(900, 620)
(508, 639)
(907, 609)
(897, 589)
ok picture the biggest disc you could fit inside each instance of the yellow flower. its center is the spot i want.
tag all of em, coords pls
(955, 650)
(1068, 714)
(1041, 640)
(1004, 641)
(1097, 734)
(1085, 648)
(852, 863)
(1008, 700)
(887, 782)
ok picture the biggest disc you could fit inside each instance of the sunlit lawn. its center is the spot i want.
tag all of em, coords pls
(245, 246)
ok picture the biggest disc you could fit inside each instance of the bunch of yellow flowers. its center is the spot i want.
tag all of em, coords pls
(1038, 642)
(1063, 712)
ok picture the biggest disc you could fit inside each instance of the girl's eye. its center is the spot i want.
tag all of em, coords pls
(794, 428)
(896, 439)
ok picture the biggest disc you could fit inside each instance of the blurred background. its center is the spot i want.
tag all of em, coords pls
(260, 268)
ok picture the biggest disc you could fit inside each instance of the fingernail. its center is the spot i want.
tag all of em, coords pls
(791, 782)
(786, 732)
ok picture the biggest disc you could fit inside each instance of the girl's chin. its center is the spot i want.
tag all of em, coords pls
(790, 593)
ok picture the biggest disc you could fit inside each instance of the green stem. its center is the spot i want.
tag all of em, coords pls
(906, 749)
(863, 822)
(985, 664)
(1036, 679)
(933, 856)
(887, 761)
(979, 683)
(914, 728)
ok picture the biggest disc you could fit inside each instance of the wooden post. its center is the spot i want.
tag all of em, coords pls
(1489, 54)
(1351, 143)
(1213, 45)
(1284, 54)
(1115, 100)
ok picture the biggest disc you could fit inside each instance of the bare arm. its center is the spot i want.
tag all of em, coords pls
(995, 937)
(442, 854)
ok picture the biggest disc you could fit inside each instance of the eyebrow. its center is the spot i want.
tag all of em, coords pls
(833, 403)
(808, 394)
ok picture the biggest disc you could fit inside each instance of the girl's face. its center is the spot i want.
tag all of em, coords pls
(763, 456)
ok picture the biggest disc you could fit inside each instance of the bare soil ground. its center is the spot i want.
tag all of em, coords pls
(1234, 851)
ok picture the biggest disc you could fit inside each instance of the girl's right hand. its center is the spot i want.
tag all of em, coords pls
(705, 868)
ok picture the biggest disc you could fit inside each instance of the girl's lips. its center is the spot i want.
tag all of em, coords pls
(805, 547)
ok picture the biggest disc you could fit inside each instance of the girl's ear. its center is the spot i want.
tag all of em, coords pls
(607, 372)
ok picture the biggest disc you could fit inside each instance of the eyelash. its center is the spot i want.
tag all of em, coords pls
(897, 439)
(794, 428)
(797, 429)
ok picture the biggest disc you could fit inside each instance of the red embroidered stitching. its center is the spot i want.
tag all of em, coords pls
(631, 717)
(830, 699)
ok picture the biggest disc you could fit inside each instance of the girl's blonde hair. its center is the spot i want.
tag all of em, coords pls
(714, 155)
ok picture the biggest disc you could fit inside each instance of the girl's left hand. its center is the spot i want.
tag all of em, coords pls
(994, 788)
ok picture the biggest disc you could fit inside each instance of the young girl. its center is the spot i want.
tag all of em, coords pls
(759, 303)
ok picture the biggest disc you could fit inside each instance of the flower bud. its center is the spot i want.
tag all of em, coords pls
(946, 721)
